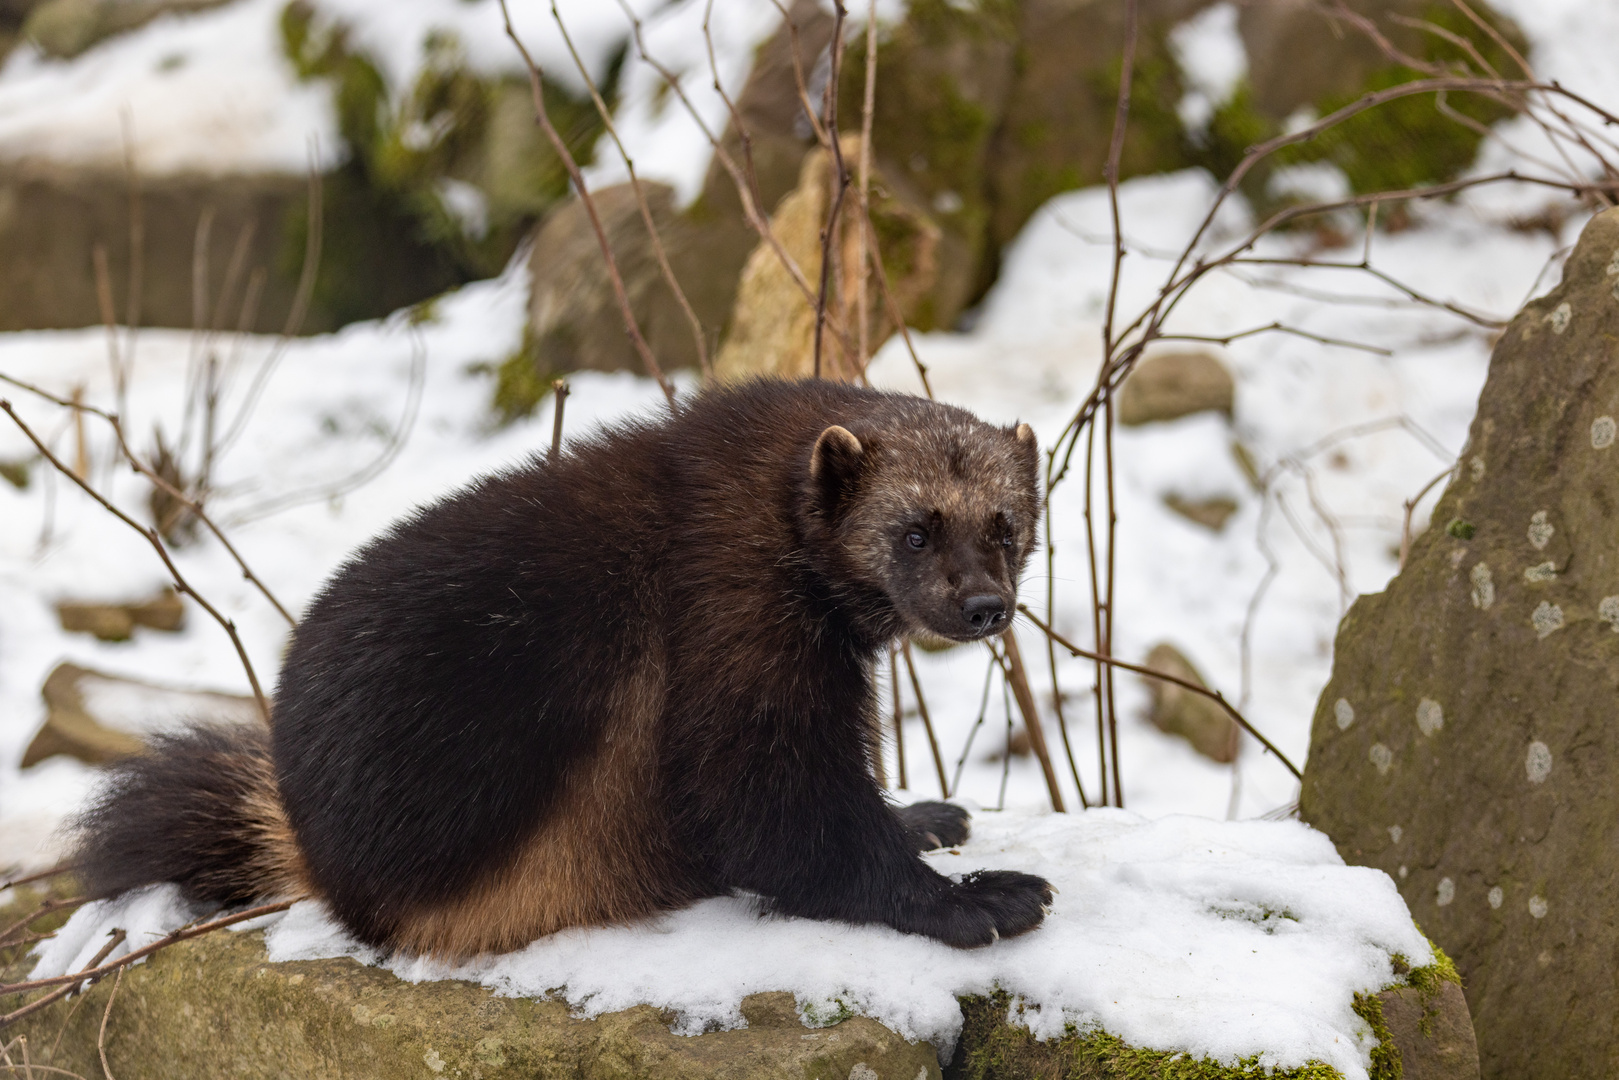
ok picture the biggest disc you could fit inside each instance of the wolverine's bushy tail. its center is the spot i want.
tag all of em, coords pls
(199, 808)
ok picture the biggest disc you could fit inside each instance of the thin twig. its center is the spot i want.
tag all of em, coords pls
(44, 909)
(58, 869)
(174, 937)
(899, 715)
(743, 177)
(868, 103)
(1410, 507)
(542, 115)
(101, 1036)
(1151, 673)
(156, 541)
(559, 395)
(162, 484)
(1018, 676)
(840, 179)
(927, 721)
(704, 364)
(313, 237)
(65, 984)
(378, 465)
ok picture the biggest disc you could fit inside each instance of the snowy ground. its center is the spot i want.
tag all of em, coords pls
(1218, 939)
(1365, 431)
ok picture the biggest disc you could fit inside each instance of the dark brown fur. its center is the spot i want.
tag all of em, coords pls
(586, 690)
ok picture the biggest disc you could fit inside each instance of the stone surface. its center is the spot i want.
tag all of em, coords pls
(575, 321)
(1298, 55)
(1211, 513)
(97, 717)
(773, 326)
(574, 317)
(1178, 711)
(66, 28)
(1426, 1029)
(1169, 386)
(1466, 742)
(117, 622)
(1058, 120)
(52, 219)
(944, 77)
(214, 1007)
(1305, 59)
(1433, 1032)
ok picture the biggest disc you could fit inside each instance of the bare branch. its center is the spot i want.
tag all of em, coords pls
(163, 485)
(927, 721)
(97, 969)
(704, 364)
(537, 89)
(156, 541)
(1204, 691)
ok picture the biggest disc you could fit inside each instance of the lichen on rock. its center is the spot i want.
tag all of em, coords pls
(1511, 801)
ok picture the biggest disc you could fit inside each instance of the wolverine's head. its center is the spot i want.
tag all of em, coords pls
(934, 509)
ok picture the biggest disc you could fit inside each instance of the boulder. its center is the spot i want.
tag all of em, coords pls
(1305, 59)
(66, 28)
(1466, 741)
(96, 717)
(1057, 124)
(1176, 710)
(1423, 1030)
(214, 1007)
(53, 217)
(944, 76)
(773, 326)
(1169, 386)
(117, 622)
(575, 321)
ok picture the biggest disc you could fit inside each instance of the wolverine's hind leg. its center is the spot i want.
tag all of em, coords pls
(934, 824)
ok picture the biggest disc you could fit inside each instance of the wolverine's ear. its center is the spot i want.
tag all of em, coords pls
(1028, 446)
(835, 463)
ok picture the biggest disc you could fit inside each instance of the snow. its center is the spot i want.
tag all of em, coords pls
(1224, 940)
(211, 92)
(355, 428)
(1389, 423)
(206, 93)
(1209, 51)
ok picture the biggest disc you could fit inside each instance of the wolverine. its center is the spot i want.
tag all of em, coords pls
(611, 682)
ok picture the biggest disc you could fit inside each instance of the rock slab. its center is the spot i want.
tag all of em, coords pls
(97, 717)
(215, 1007)
(1466, 743)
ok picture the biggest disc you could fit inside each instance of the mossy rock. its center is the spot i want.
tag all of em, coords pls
(1302, 59)
(444, 178)
(1465, 742)
(65, 28)
(214, 1007)
(944, 77)
(1422, 1025)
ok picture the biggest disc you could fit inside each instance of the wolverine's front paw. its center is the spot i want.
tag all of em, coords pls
(993, 904)
(935, 824)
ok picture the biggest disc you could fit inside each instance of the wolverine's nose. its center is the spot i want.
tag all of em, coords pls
(985, 612)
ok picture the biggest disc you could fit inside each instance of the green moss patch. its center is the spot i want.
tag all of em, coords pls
(1406, 143)
(993, 1049)
(442, 180)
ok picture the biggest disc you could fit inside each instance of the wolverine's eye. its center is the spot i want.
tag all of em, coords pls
(916, 540)
(1006, 541)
